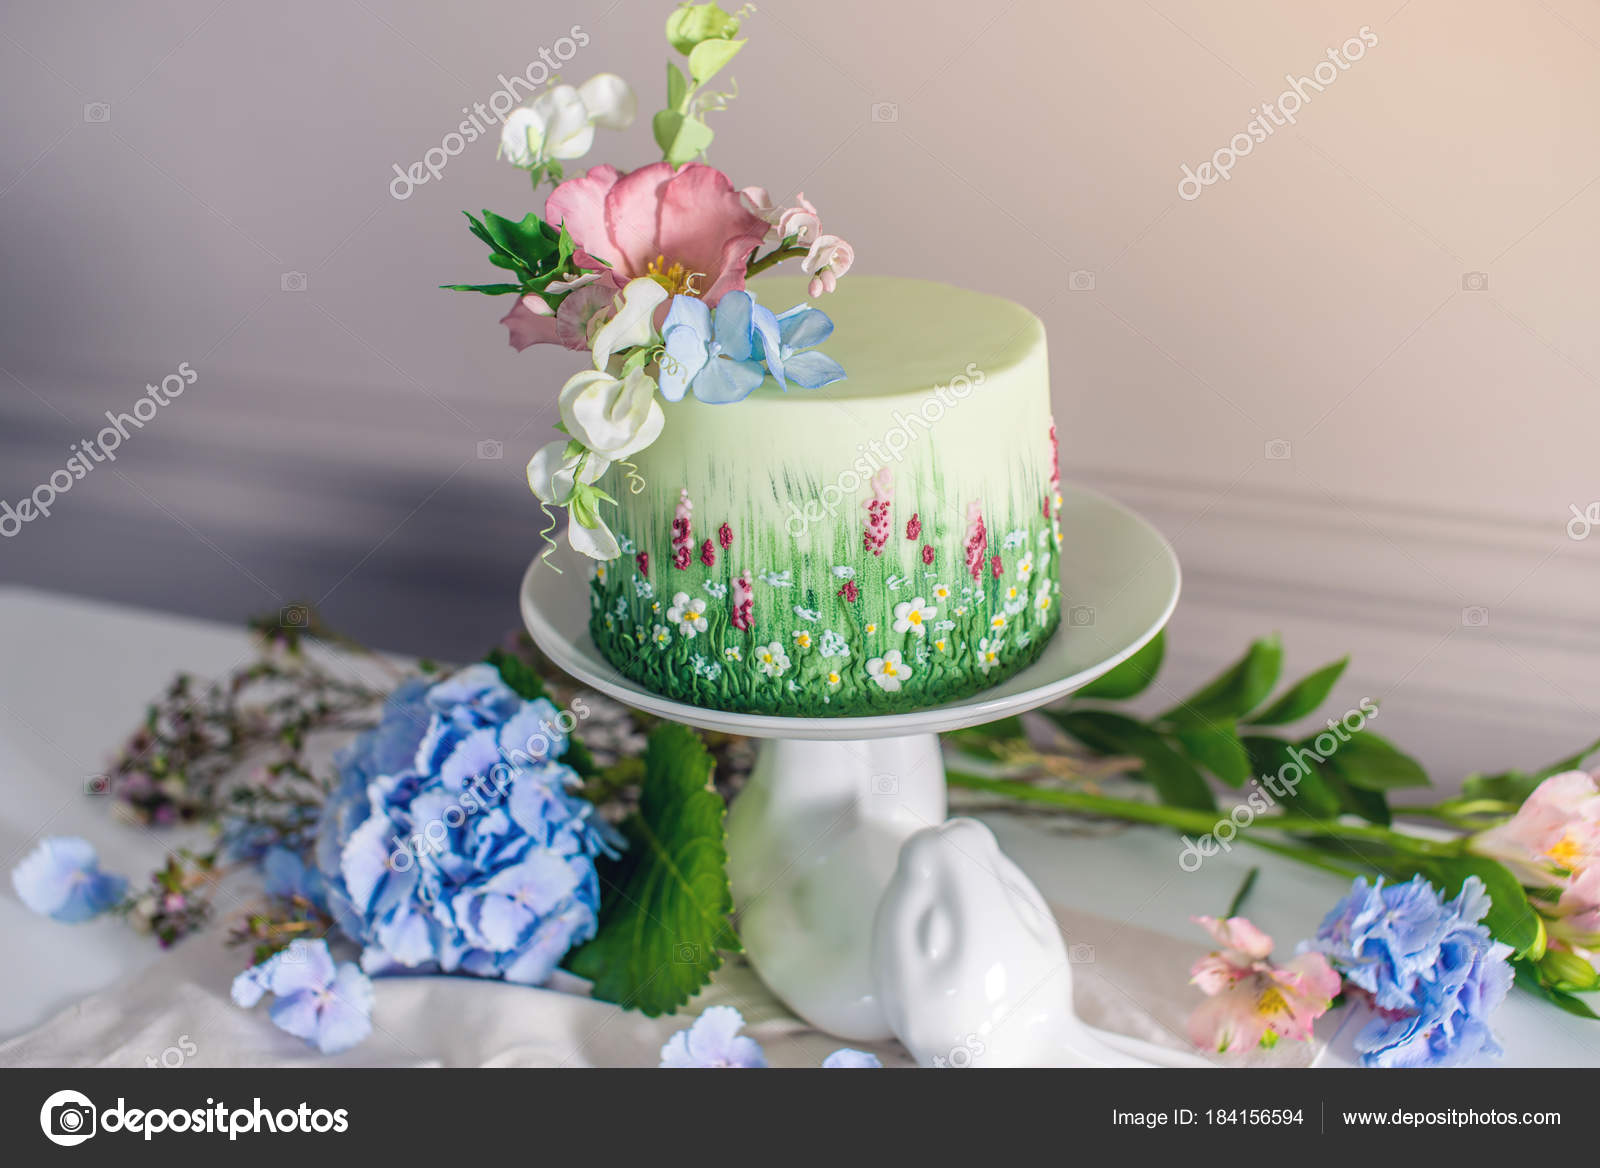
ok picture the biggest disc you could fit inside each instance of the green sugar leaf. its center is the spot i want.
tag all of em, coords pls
(664, 912)
(709, 58)
(681, 138)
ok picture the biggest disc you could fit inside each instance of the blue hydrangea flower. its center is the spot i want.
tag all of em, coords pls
(793, 356)
(1434, 971)
(287, 875)
(454, 842)
(713, 1041)
(61, 879)
(328, 1006)
(846, 1059)
(715, 353)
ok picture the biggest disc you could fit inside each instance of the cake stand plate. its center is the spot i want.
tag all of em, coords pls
(815, 837)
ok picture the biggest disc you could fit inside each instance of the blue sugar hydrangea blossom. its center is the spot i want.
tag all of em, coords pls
(61, 879)
(722, 354)
(454, 842)
(327, 1005)
(846, 1059)
(713, 1042)
(1435, 973)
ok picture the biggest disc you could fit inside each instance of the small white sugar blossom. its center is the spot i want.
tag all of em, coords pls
(688, 613)
(559, 123)
(913, 616)
(889, 671)
(989, 652)
(772, 660)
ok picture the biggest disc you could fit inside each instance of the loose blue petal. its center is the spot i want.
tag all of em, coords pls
(734, 312)
(61, 879)
(846, 1059)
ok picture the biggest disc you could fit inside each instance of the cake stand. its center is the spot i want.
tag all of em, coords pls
(815, 837)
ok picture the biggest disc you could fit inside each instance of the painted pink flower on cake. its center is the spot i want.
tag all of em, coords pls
(913, 527)
(927, 553)
(742, 612)
(682, 533)
(725, 536)
(877, 530)
(977, 539)
(708, 554)
(1253, 1002)
(683, 227)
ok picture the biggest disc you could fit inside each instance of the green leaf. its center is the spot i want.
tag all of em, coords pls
(1130, 678)
(680, 137)
(1242, 687)
(1528, 978)
(1310, 793)
(486, 289)
(1303, 697)
(1511, 917)
(1506, 787)
(1218, 749)
(664, 915)
(1374, 764)
(1570, 763)
(1373, 806)
(525, 238)
(709, 58)
(520, 677)
(677, 87)
(1173, 776)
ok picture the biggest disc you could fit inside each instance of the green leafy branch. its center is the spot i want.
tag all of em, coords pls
(533, 251)
(707, 37)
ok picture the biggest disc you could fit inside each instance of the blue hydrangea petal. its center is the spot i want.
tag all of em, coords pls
(812, 370)
(804, 327)
(364, 863)
(733, 326)
(297, 1014)
(250, 986)
(303, 965)
(533, 735)
(346, 1016)
(764, 327)
(722, 381)
(557, 933)
(851, 1060)
(473, 756)
(61, 879)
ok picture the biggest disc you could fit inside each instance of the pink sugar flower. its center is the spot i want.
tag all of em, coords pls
(849, 592)
(685, 227)
(708, 554)
(682, 531)
(1252, 1002)
(913, 527)
(927, 553)
(877, 530)
(996, 569)
(725, 536)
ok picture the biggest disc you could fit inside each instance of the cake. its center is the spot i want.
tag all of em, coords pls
(878, 544)
(802, 495)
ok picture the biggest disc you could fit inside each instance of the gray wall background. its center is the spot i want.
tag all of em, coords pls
(166, 164)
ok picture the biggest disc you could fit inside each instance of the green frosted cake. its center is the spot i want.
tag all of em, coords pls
(880, 543)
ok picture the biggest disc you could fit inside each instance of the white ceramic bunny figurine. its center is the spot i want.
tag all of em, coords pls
(970, 967)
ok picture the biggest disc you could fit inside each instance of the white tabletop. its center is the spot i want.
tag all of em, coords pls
(76, 680)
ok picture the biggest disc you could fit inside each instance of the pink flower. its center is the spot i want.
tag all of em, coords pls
(996, 569)
(1251, 1001)
(927, 553)
(849, 592)
(725, 536)
(685, 227)
(800, 221)
(913, 527)
(829, 259)
(708, 554)
(977, 539)
(643, 560)
(742, 614)
(682, 532)
(1553, 841)
(877, 529)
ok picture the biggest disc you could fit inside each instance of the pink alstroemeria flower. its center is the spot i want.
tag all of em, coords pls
(684, 227)
(1253, 1002)
(1553, 841)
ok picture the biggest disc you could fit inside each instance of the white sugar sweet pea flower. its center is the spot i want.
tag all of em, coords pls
(553, 474)
(633, 322)
(612, 417)
(597, 542)
(559, 123)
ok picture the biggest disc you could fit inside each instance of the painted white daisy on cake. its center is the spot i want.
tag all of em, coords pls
(802, 639)
(989, 652)
(1025, 567)
(688, 613)
(833, 645)
(913, 616)
(772, 660)
(889, 671)
(1042, 600)
(941, 592)
(662, 636)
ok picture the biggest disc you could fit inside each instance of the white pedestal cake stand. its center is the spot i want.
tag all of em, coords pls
(815, 838)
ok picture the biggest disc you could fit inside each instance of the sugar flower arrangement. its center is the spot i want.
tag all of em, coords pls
(645, 271)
